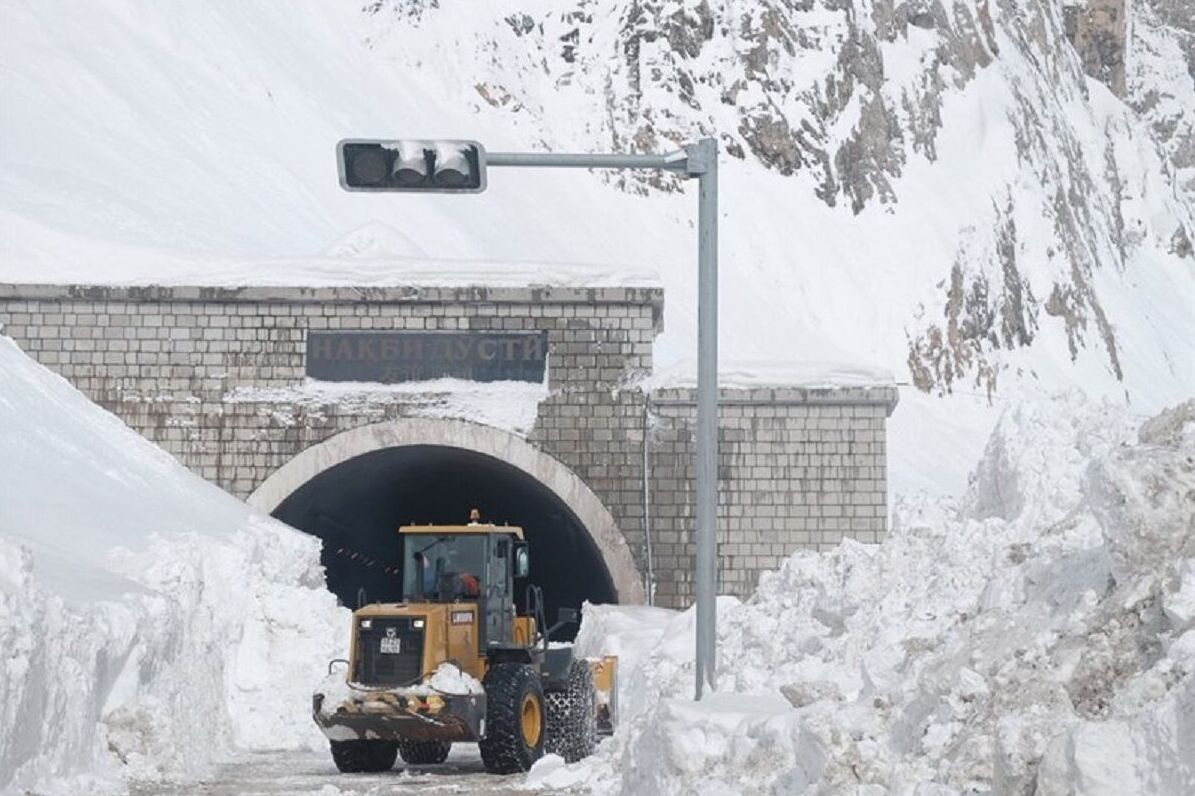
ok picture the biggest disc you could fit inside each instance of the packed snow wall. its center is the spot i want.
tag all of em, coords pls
(151, 622)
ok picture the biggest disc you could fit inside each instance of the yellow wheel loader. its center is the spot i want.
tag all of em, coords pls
(456, 662)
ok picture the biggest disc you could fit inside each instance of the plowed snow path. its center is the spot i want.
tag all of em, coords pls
(313, 774)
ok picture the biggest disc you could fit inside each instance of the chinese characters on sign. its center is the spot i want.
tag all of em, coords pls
(391, 357)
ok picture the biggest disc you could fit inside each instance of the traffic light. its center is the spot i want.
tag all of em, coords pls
(411, 165)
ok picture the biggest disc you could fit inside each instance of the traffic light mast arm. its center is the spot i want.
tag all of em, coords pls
(673, 161)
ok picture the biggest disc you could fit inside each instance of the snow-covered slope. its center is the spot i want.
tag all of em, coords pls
(932, 188)
(1037, 639)
(1161, 79)
(149, 621)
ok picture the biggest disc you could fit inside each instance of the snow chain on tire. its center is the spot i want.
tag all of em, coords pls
(357, 757)
(424, 753)
(572, 721)
(511, 689)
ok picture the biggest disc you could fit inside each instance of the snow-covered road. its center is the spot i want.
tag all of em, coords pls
(312, 773)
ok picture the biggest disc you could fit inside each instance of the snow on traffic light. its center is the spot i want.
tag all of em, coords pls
(411, 165)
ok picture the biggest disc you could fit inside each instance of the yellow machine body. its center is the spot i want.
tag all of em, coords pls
(450, 630)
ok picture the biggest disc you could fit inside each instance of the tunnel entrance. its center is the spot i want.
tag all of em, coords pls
(356, 507)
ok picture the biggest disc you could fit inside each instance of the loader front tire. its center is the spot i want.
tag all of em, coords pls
(361, 757)
(514, 719)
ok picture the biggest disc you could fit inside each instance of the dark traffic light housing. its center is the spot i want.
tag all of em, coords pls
(411, 165)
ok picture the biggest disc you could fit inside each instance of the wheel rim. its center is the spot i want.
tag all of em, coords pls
(531, 720)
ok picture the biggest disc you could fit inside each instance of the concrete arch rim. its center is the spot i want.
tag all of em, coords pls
(509, 448)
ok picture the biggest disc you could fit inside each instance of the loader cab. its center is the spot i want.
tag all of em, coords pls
(477, 563)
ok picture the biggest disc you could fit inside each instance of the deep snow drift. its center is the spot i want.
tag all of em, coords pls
(149, 621)
(1037, 639)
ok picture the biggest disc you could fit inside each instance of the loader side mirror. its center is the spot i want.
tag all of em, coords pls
(522, 561)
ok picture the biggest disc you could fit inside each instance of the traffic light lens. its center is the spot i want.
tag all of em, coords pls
(408, 176)
(368, 166)
(452, 166)
(451, 178)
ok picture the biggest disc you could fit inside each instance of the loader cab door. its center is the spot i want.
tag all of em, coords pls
(499, 605)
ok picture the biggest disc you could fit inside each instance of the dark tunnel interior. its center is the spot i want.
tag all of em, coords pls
(358, 505)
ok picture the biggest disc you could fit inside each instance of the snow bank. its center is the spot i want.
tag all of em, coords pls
(508, 405)
(748, 374)
(150, 621)
(1036, 638)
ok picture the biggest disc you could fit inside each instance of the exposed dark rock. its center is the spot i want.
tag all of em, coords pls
(1180, 243)
(521, 24)
(982, 314)
(411, 9)
(1097, 31)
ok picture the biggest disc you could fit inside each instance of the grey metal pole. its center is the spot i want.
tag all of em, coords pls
(703, 160)
(649, 555)
(698, 160)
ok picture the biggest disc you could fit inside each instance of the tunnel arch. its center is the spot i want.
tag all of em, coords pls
(477, 442)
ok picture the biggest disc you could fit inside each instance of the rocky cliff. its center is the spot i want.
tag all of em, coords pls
(847, 97)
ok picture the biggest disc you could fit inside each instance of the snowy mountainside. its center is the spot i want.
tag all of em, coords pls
(934, 189)
(848, 100)
(150, 621)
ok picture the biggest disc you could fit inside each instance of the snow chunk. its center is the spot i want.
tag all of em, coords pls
(551, 773)
(1179, 605)
(373, 241)
(448, 679)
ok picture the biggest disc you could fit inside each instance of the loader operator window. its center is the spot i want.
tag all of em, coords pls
(443, 568)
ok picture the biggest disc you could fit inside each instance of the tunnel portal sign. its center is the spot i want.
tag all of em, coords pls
(391, 357)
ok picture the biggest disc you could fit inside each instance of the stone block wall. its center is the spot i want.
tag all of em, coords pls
(205, 373)
(168, 360)
(797, 469)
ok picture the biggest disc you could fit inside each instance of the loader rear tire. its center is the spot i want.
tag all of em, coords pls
(424, 753)
(514, 719)
(360, 757)
(572, 719)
